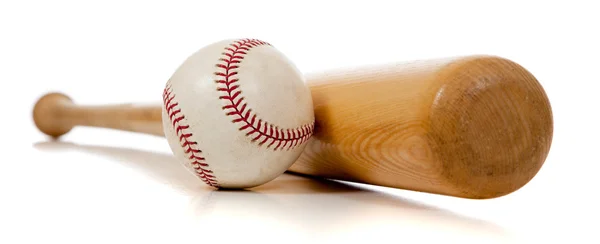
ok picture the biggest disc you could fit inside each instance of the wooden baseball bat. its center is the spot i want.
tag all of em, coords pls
(472, 127)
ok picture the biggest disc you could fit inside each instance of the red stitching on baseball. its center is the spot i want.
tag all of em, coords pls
(189, 146)
(231, 60)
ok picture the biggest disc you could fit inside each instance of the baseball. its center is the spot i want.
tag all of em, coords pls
(237, 113)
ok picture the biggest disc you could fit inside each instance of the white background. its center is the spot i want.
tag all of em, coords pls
(103, 186)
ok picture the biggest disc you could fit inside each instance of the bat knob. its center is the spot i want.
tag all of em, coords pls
(47, 114)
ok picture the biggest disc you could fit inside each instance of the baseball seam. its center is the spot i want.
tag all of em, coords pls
(190, 147)
(228, 86)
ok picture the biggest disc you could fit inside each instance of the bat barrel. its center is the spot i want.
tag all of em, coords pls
(491, 125)
(473, 127)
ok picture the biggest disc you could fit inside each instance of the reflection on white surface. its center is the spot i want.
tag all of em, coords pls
(293, 204)
(316, 205)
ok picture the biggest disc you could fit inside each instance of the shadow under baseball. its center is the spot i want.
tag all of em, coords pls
(294, 201)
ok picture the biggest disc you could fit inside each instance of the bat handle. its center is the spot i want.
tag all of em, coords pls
(55, 114)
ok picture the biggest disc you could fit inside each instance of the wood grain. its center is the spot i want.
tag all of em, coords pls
(472, 127)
